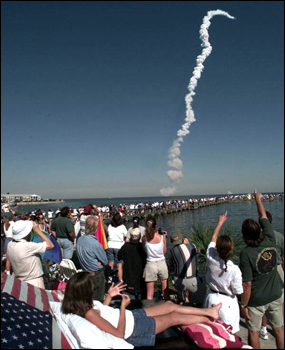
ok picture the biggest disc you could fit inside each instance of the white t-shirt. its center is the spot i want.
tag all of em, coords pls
(116, 236)
(25, 259)
(112, 315)
(9, 233)
(229, 282)
(83, 223)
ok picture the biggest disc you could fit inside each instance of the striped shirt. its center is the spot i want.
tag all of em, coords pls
(184, 259)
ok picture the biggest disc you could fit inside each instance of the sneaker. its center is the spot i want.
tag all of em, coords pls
(263, 333)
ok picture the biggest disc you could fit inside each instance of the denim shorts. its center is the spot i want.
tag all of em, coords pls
(112, 255)
(144, 329)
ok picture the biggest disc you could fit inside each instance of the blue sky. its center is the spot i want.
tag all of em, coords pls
(92, 96)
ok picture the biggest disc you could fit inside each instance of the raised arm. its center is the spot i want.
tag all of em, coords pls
(260, 207)
(222, 220)
(37, 230)
(113, 291)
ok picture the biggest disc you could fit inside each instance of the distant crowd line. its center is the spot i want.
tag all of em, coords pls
(150, 207)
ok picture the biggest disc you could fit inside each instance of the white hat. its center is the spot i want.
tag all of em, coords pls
(21, 229)
(135, 233)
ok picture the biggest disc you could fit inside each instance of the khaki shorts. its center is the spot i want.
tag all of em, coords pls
(273, 312)
(154, 270)
(281, 274)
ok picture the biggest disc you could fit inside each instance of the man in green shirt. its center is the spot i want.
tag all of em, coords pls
(63, 230)
(280, 268)
(262, 284)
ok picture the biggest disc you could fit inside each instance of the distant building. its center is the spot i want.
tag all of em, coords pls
(20, 198)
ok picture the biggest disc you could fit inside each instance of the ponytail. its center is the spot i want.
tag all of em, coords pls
(151, 227)
(225, 249)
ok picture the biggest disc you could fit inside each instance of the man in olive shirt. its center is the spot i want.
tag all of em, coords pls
(261, 281)
(63, 230)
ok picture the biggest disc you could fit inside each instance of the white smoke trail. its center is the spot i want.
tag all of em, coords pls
(174, 151)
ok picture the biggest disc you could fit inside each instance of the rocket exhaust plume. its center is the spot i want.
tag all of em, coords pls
(174, 151)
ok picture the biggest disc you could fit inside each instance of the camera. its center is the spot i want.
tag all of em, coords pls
(160, 231)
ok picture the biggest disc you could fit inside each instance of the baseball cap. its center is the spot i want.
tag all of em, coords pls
(135, 233)
(87, 209)
(176, 238)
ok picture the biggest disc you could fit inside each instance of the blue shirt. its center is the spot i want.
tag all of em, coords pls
(89, 251)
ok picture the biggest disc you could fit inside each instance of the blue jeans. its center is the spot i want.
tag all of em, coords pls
(66, 247)
(144, 329)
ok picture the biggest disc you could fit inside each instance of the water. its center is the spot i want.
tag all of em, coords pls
(183, 221)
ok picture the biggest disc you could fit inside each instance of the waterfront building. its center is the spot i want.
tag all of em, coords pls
(7, 198)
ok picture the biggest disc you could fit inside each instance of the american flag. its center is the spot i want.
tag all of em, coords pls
(26, 322)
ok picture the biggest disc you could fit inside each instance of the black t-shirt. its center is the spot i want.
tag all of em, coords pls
(134, 259)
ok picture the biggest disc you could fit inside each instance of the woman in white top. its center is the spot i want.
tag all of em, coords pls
(154, 243)
(138, 327)
(9, 223)
(223, 277)
(117, 233)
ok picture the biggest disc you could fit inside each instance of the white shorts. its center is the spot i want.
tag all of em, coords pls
(229, 312)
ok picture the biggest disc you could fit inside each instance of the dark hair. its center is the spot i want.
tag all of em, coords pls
(38, 212)
(225, 248)
(252, 233)
(151, 228)
(34, 218)
(64, 211)
(116, 220)
(78, 296)
(136, 222)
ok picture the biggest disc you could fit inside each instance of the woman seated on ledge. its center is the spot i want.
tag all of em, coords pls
(138, 327)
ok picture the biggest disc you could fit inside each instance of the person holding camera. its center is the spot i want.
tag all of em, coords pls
(154, 243)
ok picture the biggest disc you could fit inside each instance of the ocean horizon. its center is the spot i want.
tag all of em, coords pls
(182, 221)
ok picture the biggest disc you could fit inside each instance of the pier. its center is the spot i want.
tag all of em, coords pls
(148, 211)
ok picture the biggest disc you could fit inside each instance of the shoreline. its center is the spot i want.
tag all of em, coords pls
(36, 203)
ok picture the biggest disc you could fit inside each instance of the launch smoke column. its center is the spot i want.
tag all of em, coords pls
(174, 151)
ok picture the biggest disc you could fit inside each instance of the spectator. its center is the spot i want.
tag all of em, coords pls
(223, 277)
(261, 281)
(137, 327)
(43, 225)
(88, 210)
(8, 226)
(92, 257)
(62, 229)
(117, 234)
(133, 255)
(2, 242)
(136, 224)
(184, 260)
(280, 268)
(155, 247)
(24, 255)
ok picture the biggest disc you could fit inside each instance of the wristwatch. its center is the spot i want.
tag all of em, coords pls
(243, 306)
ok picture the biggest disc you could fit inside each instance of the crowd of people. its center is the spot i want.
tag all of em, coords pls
(135, 260)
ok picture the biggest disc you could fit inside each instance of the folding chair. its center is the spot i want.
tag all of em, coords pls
(67, 269)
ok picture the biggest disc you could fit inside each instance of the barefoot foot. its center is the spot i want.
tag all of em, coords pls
(214, 311)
